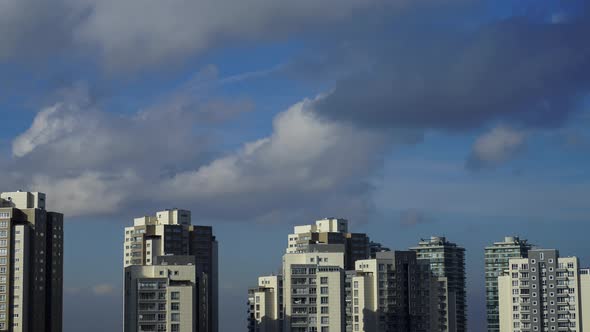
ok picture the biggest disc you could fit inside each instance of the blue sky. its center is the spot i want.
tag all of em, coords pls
(460, 118)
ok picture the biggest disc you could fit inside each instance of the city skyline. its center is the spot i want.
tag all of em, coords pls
(303, 237)
(464, 120)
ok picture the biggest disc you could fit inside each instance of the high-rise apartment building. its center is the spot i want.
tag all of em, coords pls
(162, 296)
(544, 292)
(265, 305)
(170, 233)
(446, 261)
(331, 283)
(497, 257)
(392, 292)
(31, 264)
(313, 289)
(331, 231)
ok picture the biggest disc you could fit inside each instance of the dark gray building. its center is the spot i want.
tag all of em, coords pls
(31, 264)
(447, 262)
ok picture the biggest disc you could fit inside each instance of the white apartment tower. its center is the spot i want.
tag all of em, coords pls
(31, 264)
(331, 231)
(337, 281)
(265, 305)
(544, 292)
(313, 289)
(393, 292)
(162, 296)
(153, 240)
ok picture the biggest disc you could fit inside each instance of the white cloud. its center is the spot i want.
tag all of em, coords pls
(91, 162)
(46, 127)
(103, 289)
(305, 165)
(496, 147)
(89, 193)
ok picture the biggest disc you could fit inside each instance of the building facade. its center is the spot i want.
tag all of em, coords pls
(383, 290)
(265, 305)
(497, 257)
(31, 264)
(162, 296)
(544, 292)
(313, 289)
(170, 233)
(446, 261)
(331, 231)
(392, 292)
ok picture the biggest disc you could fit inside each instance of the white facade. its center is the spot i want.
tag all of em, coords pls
(327, 225)
(266, 305)
(544, 293)
(313, 289)
(23, 200)
(160, 298)
(142, 247)
(170, 234)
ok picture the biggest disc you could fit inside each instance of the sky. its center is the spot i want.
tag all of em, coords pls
(462, 118)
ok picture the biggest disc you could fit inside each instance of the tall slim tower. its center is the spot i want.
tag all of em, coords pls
(31, 264)
(447, 262)
(154, 240)
(496, 262)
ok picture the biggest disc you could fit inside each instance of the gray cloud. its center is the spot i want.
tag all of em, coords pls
(519, 71)
(307, 167)
(138, 34)
(413, 217)
(496, 147)
(32, 28)
(78, 154)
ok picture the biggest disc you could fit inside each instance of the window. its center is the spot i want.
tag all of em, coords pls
(175, 327)
(175, 295)
(175, 317)
(324, 280)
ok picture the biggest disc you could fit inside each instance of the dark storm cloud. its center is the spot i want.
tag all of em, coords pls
(528, 73)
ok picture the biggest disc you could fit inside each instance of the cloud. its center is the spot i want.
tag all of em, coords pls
(88, 193)
(103, 289)
(162, 33)
(306, 166)
(33, 28)
(76, 133)
(496, 147)
(413, 217)
(518, 71)
(92, 162)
